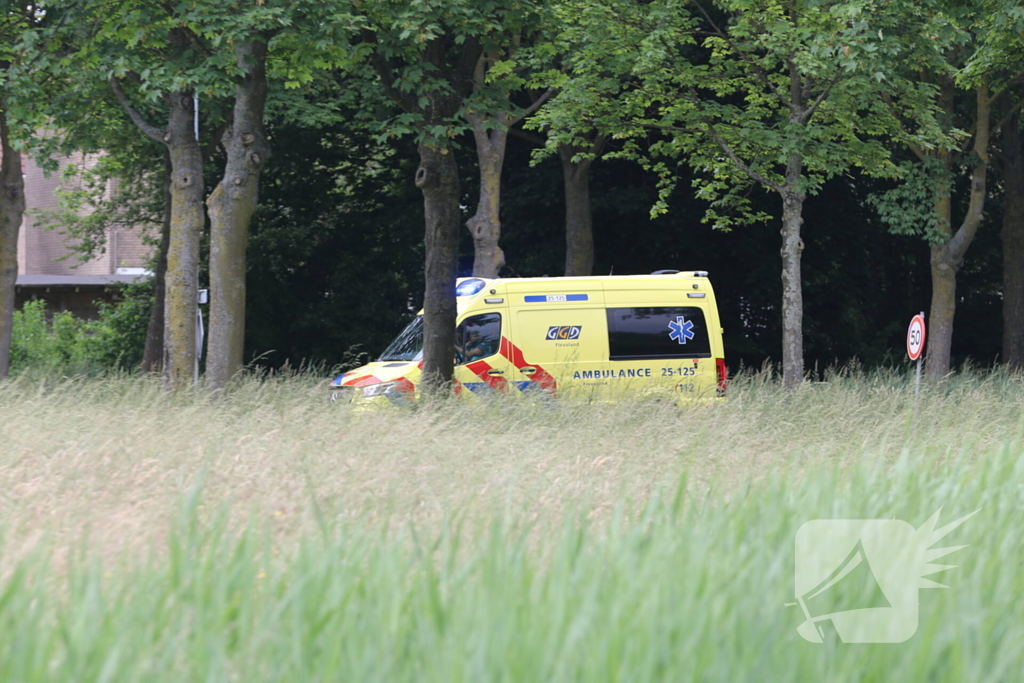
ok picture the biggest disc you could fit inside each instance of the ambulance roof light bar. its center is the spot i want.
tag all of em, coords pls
(469, 287)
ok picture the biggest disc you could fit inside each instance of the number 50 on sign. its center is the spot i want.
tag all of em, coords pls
(915, 337)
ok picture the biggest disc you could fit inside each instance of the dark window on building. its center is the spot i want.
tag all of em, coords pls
(663, 332)
(477, 337)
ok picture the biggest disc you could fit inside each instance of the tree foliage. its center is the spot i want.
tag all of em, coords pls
(783, 95)
(730, 112)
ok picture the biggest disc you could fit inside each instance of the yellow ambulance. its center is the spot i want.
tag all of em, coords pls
(601, 338)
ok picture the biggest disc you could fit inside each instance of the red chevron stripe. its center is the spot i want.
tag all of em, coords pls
(406, 387)
(541, 376)
(480, 368)
(506, 349)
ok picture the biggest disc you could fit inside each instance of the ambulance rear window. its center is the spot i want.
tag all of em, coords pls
(663, 332)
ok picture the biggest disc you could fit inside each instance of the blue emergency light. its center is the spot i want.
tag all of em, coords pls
(469, 287)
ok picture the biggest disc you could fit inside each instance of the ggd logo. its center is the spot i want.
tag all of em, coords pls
(860, 577)
(564, 332)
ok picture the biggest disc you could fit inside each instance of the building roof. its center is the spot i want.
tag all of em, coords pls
(75, 280)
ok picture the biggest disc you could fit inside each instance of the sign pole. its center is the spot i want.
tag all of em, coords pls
(201, 299)
(917, 387)
(915, 347)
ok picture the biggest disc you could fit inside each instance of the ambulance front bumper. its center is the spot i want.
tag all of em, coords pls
(371, 395)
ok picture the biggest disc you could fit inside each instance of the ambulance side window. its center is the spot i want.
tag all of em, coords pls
(662, 332)
(477, 337)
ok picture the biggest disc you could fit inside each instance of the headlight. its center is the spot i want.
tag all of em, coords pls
(378, 389)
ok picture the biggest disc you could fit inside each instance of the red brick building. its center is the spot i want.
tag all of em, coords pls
(66, 284)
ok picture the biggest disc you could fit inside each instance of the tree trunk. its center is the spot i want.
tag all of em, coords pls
(153, 354)
(1013, 244)
(183, 249)
(579, 225)
(438, 178)
(792, 287)
(12, 209)
(485, 225)
(943, 276)
(940, 315)
(231, 206)
(182, 280)
(947, 257)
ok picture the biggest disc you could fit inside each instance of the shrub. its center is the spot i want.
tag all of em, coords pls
(118, 339)
(70, 345)
(38, 344)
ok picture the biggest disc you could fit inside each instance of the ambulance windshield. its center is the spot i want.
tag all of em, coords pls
(408, 345)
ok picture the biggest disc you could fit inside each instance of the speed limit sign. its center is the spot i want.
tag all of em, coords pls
(915, 337)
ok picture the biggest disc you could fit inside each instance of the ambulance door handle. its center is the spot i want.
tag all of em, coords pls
(528, 370)
(495, 372)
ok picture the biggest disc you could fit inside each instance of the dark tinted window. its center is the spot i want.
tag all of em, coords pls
(477, 337)
(664, 332)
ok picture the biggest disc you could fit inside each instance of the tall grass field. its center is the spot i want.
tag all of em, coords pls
(268, 535)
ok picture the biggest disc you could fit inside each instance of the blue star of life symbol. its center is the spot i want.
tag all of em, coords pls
(682, 329)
